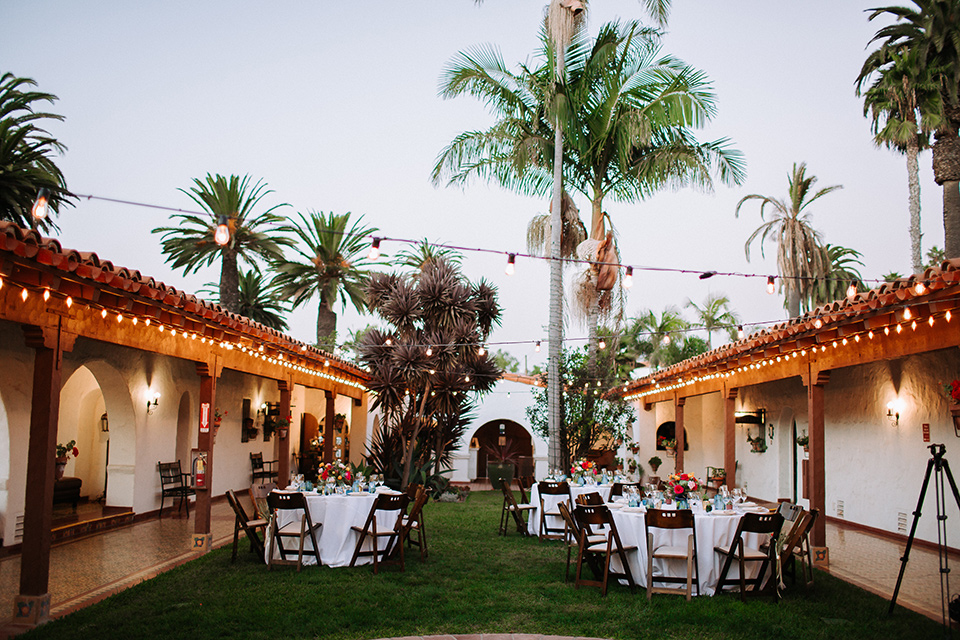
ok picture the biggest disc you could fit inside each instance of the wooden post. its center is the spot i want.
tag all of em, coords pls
(730, 436)
(328, 419)
(680, 433)
(32, 605)
(815, 382)
(205, 441)
(283, 446)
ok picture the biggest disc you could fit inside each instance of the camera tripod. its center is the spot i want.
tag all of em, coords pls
(938, 464)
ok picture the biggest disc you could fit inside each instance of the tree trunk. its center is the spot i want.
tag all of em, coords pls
(913, 180)
(229, 281)
(946, 171)
(556, 294)
(326, 326)
(793, 301)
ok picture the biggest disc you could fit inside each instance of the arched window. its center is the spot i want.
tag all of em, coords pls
(669, 430)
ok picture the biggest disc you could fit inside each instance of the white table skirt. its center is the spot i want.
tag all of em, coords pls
(550, 502)
(712, 531)
(337, 540)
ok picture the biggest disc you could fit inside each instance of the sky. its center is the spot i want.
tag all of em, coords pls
(335, 106)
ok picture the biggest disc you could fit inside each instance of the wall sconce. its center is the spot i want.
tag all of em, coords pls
(751, 417)
(894, 409)
(104, 424)
(152, 405)
(770, 430)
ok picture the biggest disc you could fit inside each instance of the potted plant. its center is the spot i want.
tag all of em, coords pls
(759, 444)
(717, 476)
(501, 461)
(804, 441)
(655, 463)
(64, 452)
(670, 444)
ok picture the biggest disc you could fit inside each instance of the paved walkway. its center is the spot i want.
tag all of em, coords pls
(88, 570)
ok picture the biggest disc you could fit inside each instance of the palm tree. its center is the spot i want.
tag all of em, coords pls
(800, 256)
(714, 315)
(26, 155)
(258, 300)
(842, 263)
(932, 32)
(423, 253)
(330, 262)
(190, 244)
(903, 106)
(655, 333)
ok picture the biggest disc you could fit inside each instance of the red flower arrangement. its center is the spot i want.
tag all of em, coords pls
(682, 485)
(953, 390)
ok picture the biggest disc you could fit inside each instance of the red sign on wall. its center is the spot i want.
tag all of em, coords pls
(926, 432)
(204, 417)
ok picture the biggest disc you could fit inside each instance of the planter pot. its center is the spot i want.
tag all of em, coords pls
(500, 471)
(671, 452)
(61, 465)
(717, 482)
(282, 432)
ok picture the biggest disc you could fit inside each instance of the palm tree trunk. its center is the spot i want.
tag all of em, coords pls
(326, 325)
(556, 295)
(913, 180)
(793, 301)
(946, 171)
(229, 281)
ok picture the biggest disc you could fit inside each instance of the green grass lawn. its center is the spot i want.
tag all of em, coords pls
(474, 582)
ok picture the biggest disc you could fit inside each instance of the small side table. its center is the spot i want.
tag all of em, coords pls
(67, 490)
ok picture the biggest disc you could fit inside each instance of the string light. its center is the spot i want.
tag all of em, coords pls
(481, 351)
(511, 262)
(739, 332)
(388, 342)
(906, 313)
(46, 294)
(222, 234)
(920, 288)
(429, 351)
(24, 295)
(947, 316)
(628, 278)
(119, 318)
(852, 289)
(771, 288)
(69, 302)
(603, 344)
(103, 314)
(40, 207)
(930, 321)
(374, 250)
(537, 346)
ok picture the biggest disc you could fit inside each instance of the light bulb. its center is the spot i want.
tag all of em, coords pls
(771, 288)
(511, 261)
(740, 332)
(628, 278)
(852, 289)
(481, 351)
(537, 346)
(920, 288)
(69, 302)
(947, 316)
(24, 294)
(46, 294)
(103, 314)
(466, 378)
(40, 207)
(429, 351)
(388, 342)
(374, 249)
(906, 313)
(222, 234)
(603, 345)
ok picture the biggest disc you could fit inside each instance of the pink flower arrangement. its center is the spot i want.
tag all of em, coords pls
(582, 468)
(682, 485)
(338, 471)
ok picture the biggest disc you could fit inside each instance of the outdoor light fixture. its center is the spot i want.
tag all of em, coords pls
(374, 249)
(537, 347)
(222, 234)
(152, 405)
(920, 288)
(739, 332)
(628, 278)
(511, 261)
(852, 289)
(894, 408)
(104, 424)
(40, 207)
(771, 288)
(603, 344)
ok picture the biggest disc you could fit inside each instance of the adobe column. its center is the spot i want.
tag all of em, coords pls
(208, 402)
(815, 382)
(680, 433)
(729, 436)
(283, 447)
(32, 605)
(328, 419)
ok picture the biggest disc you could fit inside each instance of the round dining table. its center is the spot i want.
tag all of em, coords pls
(336, 538)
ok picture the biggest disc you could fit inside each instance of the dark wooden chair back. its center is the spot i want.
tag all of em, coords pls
(616, 490)
(511, 509)
(414, 529)
(669, 519)
(589, 498)
(263, 469)
(294, 501)
(767, 525)
(258, 496)
(552, 488)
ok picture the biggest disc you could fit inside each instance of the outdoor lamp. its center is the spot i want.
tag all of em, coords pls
(628, 278)
(894, 408)
(771, 288)
(511, 261)
(104, 424)
(39, 210)
(222, 234)
(374, 249)
(852, 289)
(152, 405)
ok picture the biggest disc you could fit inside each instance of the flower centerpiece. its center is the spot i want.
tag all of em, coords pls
(581, 470)
(64, 453)
(340, 473)
(682, 486)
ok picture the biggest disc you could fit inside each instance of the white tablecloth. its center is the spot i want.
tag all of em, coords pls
(337, 540)
(550, 502)
(712, 531)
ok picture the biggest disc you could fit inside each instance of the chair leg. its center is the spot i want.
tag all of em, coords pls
(273, 541)
(236, 539)
(743, 580)
(303, 526)
(606, 569)
(689, 568)
(649, 567)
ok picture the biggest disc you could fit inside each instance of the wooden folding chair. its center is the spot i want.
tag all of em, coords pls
(263, 469)
(765, 524)
(511, 509)
(573, 540)
(593, 498)
(550, 488)
(800, 550)
(672, 521)
(301, 527)
(174, 484)
(258, 495)
(253, 527)
(413, 524)
(587, 517)
(391, 506)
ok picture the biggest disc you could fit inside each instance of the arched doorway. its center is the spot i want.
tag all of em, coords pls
(84, 421)
(501, 433)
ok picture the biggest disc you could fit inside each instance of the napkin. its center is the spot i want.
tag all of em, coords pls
(616, 505)
(634, 510)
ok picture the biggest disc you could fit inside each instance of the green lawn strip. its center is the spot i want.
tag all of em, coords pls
(473, 582)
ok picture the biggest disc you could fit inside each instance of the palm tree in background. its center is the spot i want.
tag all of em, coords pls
(715, 315)
(190, 244)
(931, 31)
(842, 271)
(258, 300)
(423, 253)
(903, 105)
(800, 256)
(330, 262)
(26, 155)
(655, 333)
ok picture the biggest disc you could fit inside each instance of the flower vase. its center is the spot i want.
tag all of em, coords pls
(682, 503)
(61, 465)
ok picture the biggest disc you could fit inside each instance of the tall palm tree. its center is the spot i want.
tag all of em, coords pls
(842, 263)
(931, 29)
(330, 263)
(26, 154)
(714, 315)
(190, 244)
(258, 300)
(903, 106)
(800, 256)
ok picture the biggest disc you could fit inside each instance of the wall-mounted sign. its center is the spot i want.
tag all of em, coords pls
(926, 432)
(204, 417)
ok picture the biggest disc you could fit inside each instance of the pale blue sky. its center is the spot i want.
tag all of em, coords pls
(335, 105)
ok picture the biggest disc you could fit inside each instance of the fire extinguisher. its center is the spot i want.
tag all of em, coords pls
(200, 470)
